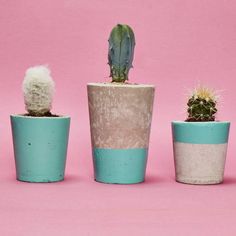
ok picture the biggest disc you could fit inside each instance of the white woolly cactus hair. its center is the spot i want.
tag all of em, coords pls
(38, 89)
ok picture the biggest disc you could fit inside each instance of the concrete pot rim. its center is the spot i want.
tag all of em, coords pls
(21, 116)
(120, 85)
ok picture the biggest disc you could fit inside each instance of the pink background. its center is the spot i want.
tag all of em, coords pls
(179, 44)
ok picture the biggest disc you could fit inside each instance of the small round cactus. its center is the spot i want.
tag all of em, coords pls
(38, 89)
(202, 105)
(121, 52)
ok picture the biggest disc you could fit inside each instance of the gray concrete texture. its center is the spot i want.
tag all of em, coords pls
(120, 114)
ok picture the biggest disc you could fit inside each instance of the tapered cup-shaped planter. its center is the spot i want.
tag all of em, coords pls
(40, 147)
(200, 151)
(120, 121)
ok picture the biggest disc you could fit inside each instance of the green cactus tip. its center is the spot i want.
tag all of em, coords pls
(121, 52)
(202, 105)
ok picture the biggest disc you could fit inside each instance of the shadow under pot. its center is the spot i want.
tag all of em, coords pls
(40, 147)
(120, 121)
(200, 150)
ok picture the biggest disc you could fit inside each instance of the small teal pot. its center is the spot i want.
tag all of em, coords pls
(200, 150)
(40, 147)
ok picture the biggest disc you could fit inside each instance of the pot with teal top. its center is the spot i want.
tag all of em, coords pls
(120, 117)
(200, 143)
(40, 138)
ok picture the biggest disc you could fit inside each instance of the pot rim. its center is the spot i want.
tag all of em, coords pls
(199, 122)
(124, 85)
(40, 117)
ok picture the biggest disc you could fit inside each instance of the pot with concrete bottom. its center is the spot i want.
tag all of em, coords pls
(40, 138)
(200, 151)
(200, 147)
(120, 121)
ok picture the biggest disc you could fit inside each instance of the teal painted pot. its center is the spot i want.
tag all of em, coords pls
(200, 150)
(120, 166)
(40, 147)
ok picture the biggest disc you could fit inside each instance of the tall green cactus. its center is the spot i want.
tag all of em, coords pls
(202, 105)
(121, 52)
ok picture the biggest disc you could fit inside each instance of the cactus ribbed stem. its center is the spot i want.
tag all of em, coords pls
(121, 52)
(202, 105)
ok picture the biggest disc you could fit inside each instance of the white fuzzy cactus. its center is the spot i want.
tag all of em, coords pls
(38, 89)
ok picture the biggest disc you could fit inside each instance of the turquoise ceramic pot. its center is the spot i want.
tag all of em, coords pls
(40, 147)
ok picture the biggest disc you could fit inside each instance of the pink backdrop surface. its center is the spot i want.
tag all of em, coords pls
(179, 44)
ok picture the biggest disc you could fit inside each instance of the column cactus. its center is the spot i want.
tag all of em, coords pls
(202, 105)
(38, 89)
(121, 52)
(120, 137)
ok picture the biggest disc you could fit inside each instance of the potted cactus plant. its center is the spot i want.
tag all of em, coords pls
(200, 142)
(120, 116)
(39, 138)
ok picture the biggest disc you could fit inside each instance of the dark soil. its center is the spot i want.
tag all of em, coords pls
(200, 120)
(48, 114)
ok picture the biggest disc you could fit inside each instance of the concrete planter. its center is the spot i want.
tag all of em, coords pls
(200, 151)
(120, 121)
(40, 147)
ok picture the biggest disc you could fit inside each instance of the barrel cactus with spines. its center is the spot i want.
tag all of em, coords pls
(121, 52)
(38, 89)
(202, 105)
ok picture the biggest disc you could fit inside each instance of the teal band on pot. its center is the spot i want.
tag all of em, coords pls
(121, 166)
(200, 132)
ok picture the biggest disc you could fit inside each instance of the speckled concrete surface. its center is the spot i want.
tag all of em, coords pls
(199, 163)
(120, 115)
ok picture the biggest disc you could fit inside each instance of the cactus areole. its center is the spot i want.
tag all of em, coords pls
(202, 105)
(121, 52)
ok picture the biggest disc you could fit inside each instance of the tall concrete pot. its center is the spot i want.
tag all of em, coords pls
(40, 147)
(120, 121)
(200, 151)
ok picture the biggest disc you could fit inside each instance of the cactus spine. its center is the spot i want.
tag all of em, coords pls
(121, 52)
(38, 89)
(202, 105)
